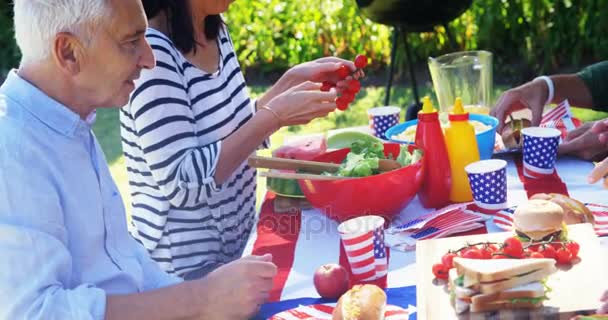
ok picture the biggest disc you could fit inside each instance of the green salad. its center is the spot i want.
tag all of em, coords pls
(362, 160)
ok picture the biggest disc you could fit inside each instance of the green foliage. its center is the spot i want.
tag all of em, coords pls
(527, 36)
(9, 55)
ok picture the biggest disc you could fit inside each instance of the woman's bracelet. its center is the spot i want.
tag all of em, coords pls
(274, 113)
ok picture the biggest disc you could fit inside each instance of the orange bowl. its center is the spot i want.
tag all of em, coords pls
(384, 194)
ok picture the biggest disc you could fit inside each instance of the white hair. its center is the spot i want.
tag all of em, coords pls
(37, 22)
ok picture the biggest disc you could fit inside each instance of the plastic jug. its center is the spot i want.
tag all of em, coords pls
(435, 190)
(462, 150)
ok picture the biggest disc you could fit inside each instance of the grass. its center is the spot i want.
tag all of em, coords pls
(107, 127)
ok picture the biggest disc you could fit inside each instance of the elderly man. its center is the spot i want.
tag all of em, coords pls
(66, 252)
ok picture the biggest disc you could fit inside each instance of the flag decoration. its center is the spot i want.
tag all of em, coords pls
(504, 218)
(366, 254)
(562, 110)
(324, 312)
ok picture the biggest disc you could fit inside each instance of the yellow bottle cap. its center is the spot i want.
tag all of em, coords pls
(427, 105)
(458, 113)
(458, 108)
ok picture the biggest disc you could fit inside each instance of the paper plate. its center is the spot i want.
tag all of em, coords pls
(324, 311)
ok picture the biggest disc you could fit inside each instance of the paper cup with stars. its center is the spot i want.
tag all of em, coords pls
(381, 119)
(540, 151)
(363, 241)
(488, 180)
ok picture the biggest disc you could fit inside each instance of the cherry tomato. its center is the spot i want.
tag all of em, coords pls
(563, 256)
(486, 253)
(513, 247)
(448, 260)
(326, 86)
(343, 72)
(533, 247)
(499, 255)
(348, 96)
(360, 61)
(557, 245)
(341, 103)
(573, 247)
(492, 247)
(354, 86)
(440, 271)
(547, 251)
(536, 255)
(472, 253)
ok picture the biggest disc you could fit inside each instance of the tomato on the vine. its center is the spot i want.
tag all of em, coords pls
(536, 255)
(472, 253)
(360, 61)
(573, 247)
(448, 259)
(440, 271)
(343, 72)
(513, 247)
(563, 256)
(547, 251)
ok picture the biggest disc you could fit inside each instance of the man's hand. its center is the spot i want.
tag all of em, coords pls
(531, 95)
(585, 142)
(236, 290)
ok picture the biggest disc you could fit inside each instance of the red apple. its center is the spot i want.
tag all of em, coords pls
(331, 280)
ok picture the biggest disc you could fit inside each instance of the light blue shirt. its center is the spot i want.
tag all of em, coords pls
(64, 243)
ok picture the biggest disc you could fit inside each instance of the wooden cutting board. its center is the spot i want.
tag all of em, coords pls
(576, 289)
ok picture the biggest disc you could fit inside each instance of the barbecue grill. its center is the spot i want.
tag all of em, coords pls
(406, 16)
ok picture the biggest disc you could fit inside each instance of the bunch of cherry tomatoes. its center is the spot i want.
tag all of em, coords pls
(511, 248)
(354, 86)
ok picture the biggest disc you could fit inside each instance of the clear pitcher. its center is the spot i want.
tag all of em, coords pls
(467, 75)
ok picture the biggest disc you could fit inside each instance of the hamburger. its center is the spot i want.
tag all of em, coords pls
(361, 302)
(574, 211)
(539, 220)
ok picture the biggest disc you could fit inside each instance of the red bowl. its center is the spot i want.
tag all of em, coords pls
(384, 194)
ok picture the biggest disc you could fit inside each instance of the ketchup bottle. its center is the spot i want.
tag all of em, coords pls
(435, 191)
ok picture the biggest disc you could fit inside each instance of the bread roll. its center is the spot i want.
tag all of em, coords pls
(574, 210)
(538, 218)
(362, 302)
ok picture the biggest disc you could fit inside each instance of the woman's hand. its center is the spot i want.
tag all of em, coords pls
(323, 69)
(302, 103)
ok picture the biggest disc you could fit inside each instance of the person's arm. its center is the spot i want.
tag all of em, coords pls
(595, 78)
(571, 87)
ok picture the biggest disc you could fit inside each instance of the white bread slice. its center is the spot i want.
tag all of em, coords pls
(530, 290)
(504, 305)
(476, 271)
(495, 287)
(459, 291)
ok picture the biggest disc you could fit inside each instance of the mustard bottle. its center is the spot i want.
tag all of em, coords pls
(462, 150)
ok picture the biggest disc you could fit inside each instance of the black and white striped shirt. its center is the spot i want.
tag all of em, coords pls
(172, 132)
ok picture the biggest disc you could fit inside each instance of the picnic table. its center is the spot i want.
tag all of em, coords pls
(302, 241)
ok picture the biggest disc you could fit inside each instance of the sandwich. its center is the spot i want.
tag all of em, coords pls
(498, 284)
(574, 210)
(361, 302)
(511, 134)
(539, 220)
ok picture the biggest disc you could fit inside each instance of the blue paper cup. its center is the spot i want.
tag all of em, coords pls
(488, 180)
(381, 119)
(540, 151)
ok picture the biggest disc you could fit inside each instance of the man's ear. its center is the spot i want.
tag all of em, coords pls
(68, 53)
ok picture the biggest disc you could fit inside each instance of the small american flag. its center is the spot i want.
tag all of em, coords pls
(504, 218)
(366, 254)
(324, 312)
(561, 111)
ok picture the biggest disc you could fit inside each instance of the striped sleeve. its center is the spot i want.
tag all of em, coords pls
(166, 134)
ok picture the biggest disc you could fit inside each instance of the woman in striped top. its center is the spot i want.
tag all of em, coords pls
(189, 128)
